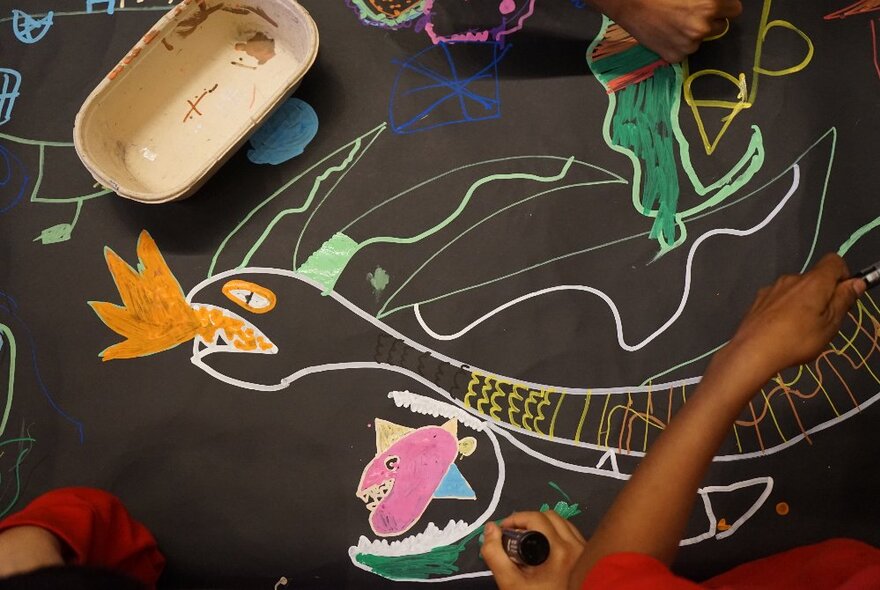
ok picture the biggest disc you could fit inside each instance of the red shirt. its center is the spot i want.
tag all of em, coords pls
(96, 529)
(838, 564)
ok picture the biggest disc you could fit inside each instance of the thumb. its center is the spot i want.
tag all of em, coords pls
(507, 574)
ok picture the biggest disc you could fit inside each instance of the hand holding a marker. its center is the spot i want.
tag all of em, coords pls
(567, 546)
(789, 323)
(792, 320)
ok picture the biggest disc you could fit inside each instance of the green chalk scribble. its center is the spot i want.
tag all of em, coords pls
(328, 262)
(642, 123)
(378, 280)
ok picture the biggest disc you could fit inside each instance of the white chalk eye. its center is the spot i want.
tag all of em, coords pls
(391, 463)
(251, 296)
(252, 299)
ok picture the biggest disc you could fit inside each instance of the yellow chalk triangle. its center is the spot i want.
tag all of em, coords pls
(388, 433)
(729, 108)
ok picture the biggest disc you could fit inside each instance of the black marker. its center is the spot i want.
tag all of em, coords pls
(870, 275)
(525, 547)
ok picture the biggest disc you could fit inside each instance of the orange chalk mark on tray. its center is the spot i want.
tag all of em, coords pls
(148, 38)
(116, 71)
(194, 106)
(131, 55)
(259, 47)
(782, 509)
(155, 316)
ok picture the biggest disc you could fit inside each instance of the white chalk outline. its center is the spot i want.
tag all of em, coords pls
(607, 299)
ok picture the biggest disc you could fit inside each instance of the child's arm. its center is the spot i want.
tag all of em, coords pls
(27, 548)
(78, 526)
(672, 28)
(789, 323)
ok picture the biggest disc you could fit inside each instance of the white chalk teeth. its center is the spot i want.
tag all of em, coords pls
(375, 494)
(414, 544)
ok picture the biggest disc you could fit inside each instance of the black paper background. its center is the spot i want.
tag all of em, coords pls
(243, 487)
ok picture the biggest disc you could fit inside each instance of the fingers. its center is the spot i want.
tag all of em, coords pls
(729, 9)
(831, 268)
(562, 528)
(533, 521)
(845, 296)
(859, 286)
(506, 573)
(718, 27)
(549, 523)
(574, 531)
(566, 541)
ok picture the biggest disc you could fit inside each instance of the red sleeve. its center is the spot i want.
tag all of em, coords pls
(838, 564)
(634, 571)
(97, 530)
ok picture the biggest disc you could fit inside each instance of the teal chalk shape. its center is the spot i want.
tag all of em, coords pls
(285, 135)
(110, 5)
(454, 485)
(30, 29)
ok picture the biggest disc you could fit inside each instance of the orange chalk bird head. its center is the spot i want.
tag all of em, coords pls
(155, 315)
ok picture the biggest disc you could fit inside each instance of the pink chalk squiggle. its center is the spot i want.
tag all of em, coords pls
(497, 33)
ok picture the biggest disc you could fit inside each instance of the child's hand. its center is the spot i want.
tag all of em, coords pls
(566, 547)
(28, 548)
(672, 28)
(794, 319)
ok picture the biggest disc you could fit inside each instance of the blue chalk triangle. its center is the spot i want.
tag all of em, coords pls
(454, 485)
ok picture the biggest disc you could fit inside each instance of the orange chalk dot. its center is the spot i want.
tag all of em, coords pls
(722, 525)
(782, 509)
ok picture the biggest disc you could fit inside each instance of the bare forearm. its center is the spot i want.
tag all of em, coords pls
(650, 514)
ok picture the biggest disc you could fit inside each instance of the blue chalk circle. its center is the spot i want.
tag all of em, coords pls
(10, 82)
(285, 135)
(13, 180)
(30, 29)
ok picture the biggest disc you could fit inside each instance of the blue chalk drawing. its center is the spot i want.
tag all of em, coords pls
(13, 180)
(579, 3)
(110, 4)
(431, 90)
(24, 25)
(454, 485)
(11, 82)
(285, 135)
(9, 309)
